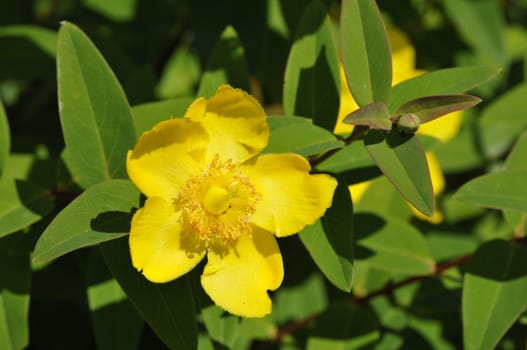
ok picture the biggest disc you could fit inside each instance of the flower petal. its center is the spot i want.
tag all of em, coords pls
(166, 156)
(235, 121)
(156, 244)
(291, 198)
(238, 280)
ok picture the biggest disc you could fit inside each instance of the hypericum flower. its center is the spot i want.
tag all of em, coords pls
(444, 128)
(210, 194)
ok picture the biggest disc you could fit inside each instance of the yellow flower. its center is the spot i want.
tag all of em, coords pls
(444, 128)
(210, 194)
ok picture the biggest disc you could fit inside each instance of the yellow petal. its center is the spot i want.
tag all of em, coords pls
(357, 190)
(238, 280)
(235, 122)
(347, 105)
(443, 128)
(291, 198)
(156, 245)
(166, 156)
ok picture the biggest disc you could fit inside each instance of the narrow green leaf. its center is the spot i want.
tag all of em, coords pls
(226, 65)
(374, 115)
(501, 190)
(15, 281)
(481, 24)
(493, 293)
(345, 326)
(366, 54)
(502, 121)
(95, 116)
(440, 82)
(21, 204)
(518, 155)
(431, 107)
(168, 308)
(392, 245)
(299, 135)
(5, 140)
(312, 83)
(149, 114)
(402, 159)
(101, 213)
(330, 240)
(116, 324)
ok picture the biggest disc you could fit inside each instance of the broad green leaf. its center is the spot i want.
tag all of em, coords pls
(168, 308)
(116, 324)
(149, 114)
(502, 121)
(345, 326)
(516, 161)
(15, 281)
(493, 293)
(118, 11)
(299, 135)
(99, 214)
(353, 156)
(440, 82)
(226, 65)
(96, 119)
(21, 204)
(330, 240)
(220, 327)
(368, 279)
(431, 107)
(5, 139)
(181, 73)
(312, 83)
(31, 52)
(402, 159)
(374, 115)
(366, 54)
(392, 245)
(500, 190)
(481, 24)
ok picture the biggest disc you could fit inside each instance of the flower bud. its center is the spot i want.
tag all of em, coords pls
(408, 123)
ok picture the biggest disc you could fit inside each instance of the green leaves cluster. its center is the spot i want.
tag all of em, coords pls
(368, 274)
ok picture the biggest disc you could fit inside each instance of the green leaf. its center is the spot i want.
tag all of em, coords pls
(402, 159)
(312, 83)
(330, 240)
(440, 82)
(180, 74)
(431, 107)
(366, 55)
(502, 121)
(226, 65)
(345, 326)
(149, 114)
(481, 24)
(168, 308)
(116, 324)
(392, 245)
(5, 141)
(299, 135)
(493, 293)
(374, 115)
(95, 116)
(220, 327)
(15, 281)
(351, 157)
(99, 214)
(21, 204)
(518, 155)
(501, 190)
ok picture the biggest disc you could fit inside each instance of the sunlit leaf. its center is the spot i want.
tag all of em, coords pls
(149, 114)
(374, 115)
(101, 213)
(312, 68)
(402, 159)
(493, 293)
(95, 116)
(366, 55)
(5, 139)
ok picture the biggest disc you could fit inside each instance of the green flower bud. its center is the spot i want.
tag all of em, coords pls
(408, 123)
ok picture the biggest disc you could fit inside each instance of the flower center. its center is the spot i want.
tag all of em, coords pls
(217, 205)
